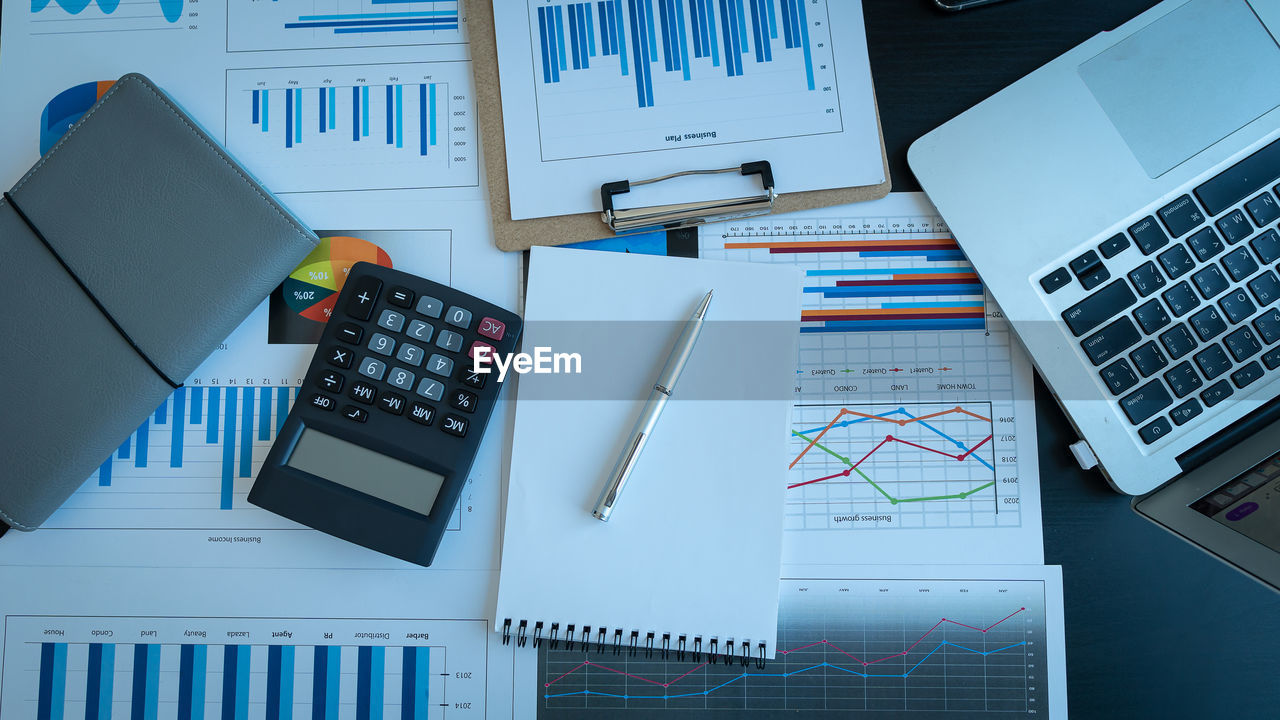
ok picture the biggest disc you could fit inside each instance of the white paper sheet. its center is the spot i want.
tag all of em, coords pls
(700, 519)
(711, 91)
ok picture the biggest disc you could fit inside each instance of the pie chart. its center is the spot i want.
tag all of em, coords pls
(312, 288)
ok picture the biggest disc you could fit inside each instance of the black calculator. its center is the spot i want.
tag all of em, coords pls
(390, 416)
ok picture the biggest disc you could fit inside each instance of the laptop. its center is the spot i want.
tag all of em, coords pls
(1122, 204)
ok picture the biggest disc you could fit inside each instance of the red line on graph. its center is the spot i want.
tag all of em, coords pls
(969, 452)
(886, 439)
(872, 418)
(864, 663)
(821, 479)
(922, 447)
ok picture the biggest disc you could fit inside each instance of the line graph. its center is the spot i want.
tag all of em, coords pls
(867, 464)
(849, 645)
(63, 17)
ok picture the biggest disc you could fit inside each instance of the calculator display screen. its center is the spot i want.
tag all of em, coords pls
(366, 471)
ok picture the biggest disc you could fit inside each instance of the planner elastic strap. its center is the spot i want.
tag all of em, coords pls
(9, 199)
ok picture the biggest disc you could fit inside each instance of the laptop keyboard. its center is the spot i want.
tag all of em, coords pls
(1183, 308)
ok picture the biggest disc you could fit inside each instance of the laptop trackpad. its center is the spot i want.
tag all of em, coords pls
(1187, 80)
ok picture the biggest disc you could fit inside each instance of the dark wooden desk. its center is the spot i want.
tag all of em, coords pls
(1155, 628)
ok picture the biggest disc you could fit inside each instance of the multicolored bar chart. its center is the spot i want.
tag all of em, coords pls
(293, 25)
(677, 60)
(151, 667)
(354, 127)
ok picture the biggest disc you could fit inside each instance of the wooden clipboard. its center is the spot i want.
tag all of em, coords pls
(522, 234)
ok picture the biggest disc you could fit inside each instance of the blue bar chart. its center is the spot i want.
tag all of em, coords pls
(294, 25)
(236, 669)
(354, 127)
(669, 58)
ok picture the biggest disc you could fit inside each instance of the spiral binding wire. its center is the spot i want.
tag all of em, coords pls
(685, 647)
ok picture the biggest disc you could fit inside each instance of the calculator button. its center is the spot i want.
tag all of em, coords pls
(364, 293)
(411, 354)
(391, 320)
(324, 402)
(429, 306)
(419, 330)
(331, 381)
(350, 332)
(491, 328)
(431, 389)
(340, 356)
(463, 400)
(392, 403)
(471, 351)
(401, 378)
(363, 392)
(470, 378)
(351, 412)
(422, 414)
(459, 317)
(400, 297)
(440, 365)
(454, 425)
(371, 367)
(449, 340)
(382, 344)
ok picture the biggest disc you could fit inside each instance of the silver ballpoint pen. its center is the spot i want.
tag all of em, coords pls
(662, 390)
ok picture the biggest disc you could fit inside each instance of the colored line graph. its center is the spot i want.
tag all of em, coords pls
(873, 462)
(57, 17)
(850, 645)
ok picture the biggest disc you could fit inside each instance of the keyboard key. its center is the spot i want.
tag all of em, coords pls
(1099, 275)
(463, 400)
(459, 317)
(391, 320)
(1099, 307)
(324, 402)
(1148, 359)
(473, 379)
(1155, 431)
(401, 378)
(1210, 281)
(1234, 227)
(370, 367)
(1148, 235)
(1118, 376)
(1181, 299)
(1113, 246)
(1145, 402)
(1205, 244)
(392, 403)
(1182, 379)
(400, 297)
(1240, 180)
(1267, 246)
(1216, 393)
(350, 332)
(1111, 341)
(1247, 375)
(1177, 261)
(1243, 344)
(1146, 278)
(431, 389)
(454, 425)
(1272, 358)
(1055, 280)
(449, 340)
(419, 330)
(1185, 412)
(1151, 316)
(363, 296)
(331, 381)
(440, 365)
(340, 356)
(382, 344)
(355, 414)
(1213, 361)
(1237, 306)
(1181, 216)
(1265, 288)
(1178, 341)
(1268, 325)
(492, 329)
(1084, 263)
(422, 414)
(1263, 209)
(363, 392)
(1239, 264)
(1208, 323)
(429, 306)
(410, 354)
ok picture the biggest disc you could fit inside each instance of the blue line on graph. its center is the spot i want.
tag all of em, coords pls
(900, 411)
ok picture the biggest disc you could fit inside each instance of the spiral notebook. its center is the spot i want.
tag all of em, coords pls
(689, 561)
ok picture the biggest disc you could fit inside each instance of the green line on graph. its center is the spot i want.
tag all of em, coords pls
(892, 500)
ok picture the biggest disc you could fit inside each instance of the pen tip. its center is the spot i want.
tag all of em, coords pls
(702, 308)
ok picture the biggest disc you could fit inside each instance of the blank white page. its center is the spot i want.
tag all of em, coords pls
(694, 545)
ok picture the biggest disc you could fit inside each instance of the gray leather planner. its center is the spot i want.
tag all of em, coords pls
(131, 249)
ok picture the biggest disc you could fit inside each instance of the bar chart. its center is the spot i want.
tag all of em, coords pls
(190, 465)
(293, 25)
(711, 66)
(240, 668)
(354, 127)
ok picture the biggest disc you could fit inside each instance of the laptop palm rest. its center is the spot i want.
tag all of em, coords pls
(1186, 81)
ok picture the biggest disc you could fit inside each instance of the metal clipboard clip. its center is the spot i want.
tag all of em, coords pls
(678, 215)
